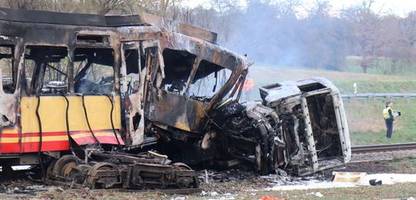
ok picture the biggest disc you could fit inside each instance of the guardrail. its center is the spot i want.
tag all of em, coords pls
(378, 95)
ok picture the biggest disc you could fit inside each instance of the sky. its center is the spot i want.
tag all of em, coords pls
(398, 7)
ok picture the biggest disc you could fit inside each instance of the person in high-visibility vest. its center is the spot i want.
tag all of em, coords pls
(389, 116)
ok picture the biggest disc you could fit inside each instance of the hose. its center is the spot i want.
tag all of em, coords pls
(111, 118)
(68, 133)
(40, 136)
(1, 137)
(88, 121)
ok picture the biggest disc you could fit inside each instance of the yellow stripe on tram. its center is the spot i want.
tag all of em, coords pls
(34, 139)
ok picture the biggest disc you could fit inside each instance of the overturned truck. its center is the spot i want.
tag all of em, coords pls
(120, 101)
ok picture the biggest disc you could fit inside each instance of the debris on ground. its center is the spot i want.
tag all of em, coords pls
(317, 194)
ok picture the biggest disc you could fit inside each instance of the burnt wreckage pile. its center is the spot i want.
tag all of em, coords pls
(298, 127)
(101, 100)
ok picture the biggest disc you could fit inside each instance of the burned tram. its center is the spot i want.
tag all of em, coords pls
(119, 101)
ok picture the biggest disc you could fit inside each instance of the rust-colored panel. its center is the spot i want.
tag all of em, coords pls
(176, 111)
(197, 32)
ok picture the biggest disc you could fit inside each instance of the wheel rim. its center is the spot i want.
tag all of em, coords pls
(182, 166)
(94, 180)
(64, 166)
(68, 169)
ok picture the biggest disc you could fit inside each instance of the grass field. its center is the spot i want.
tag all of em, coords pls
(263, 75)
(367, 124)
(364, 116)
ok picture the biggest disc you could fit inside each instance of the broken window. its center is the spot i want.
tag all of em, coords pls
(133, 57)
(311, 87)
(132, 61)
(94, 71)
(29, 68)
(46, 69)
(208, 80)
(6, 66)
(178, 66)
(93, 39)
(133, 68)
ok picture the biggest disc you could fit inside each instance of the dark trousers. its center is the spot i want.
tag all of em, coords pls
(389, 126)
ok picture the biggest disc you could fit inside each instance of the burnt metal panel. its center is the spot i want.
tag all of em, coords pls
(130, 20)
(47, 17)
(76, 19)
(176, 111)
(197, 32)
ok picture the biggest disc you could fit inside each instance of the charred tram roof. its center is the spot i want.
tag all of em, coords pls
(63, 29)
(44, 28)
(58, 18)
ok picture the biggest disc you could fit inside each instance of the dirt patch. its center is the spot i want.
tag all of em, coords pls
(231, 181)
(369, 167)
(405, 165)
(230, 184)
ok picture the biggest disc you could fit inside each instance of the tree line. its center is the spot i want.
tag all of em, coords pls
(275, 32)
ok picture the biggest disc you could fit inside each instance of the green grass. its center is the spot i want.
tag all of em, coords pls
(367, 124)
(377, 86)
(263, 75)
(365, 116)
(398, 191)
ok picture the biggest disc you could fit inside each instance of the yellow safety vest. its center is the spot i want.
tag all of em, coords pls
(386, 114)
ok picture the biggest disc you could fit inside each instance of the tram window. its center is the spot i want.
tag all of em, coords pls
(95, 72)
(6, 66)
(133, 68)
(46, 69)
(178, 67)
(132, 61)
(29, 67)
(209, 79)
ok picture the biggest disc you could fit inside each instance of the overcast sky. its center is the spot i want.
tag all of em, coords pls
(398, 7)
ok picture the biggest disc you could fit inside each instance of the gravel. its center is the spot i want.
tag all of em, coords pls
(226, 184)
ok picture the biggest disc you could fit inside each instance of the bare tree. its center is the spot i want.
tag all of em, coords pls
(272, 31)
(23, 4)
(365, 25)
(408, 27)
